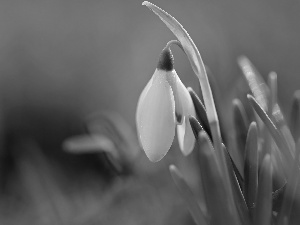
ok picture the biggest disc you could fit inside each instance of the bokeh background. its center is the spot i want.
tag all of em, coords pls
(61, 60)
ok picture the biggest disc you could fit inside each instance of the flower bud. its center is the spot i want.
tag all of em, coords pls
(155, 115)
(163, 104)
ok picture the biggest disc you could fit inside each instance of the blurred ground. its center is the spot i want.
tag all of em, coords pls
(63, 59)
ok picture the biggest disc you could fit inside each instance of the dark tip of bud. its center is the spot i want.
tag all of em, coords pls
(166, 60)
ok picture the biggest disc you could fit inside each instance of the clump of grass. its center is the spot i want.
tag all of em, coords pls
(259, 185)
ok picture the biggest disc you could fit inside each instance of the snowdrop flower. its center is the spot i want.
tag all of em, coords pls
(164, 104)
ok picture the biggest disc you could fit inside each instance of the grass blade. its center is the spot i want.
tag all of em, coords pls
(200, 111)
(218, 100)
(279, 140)
(272, 81)
(251, 168)
(236, 183)
(263, 207)
(269, 143)
(188, 196)
(196, 126)
(241, 125)
(237, 174)
(276, 114)
(255, 81)
(235, 177)
(219, 208)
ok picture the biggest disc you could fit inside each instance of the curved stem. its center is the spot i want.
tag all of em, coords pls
(174, 42)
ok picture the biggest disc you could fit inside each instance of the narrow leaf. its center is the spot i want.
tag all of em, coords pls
(218, 101)
(200, 111)
(268, 146)
(255, 81)
(251, 168)
(241, 125)
(220, 209)
(196, 126)
(263, 210)
(188, 196)
(279, 140)
(239, 177)
(272, 81)
(236, 182)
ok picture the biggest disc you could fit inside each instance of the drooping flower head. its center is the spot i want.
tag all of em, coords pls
(164, 104)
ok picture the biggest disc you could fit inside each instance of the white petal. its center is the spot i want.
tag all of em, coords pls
(185, 134)
(173, 79)
(180, 133)
(186, 138)
(156, 117)
(142, 97)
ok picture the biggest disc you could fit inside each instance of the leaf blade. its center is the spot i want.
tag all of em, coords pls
(220, 209)
(279, 140)
(251, 168)
(263, 211)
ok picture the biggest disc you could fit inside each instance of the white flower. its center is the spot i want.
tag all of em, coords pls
(164, 104)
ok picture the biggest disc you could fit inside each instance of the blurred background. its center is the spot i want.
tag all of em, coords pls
(61, 60)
